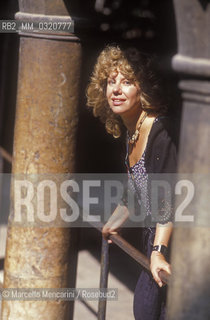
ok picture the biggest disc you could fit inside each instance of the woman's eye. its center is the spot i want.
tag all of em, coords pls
(111, 81)
(127, 82)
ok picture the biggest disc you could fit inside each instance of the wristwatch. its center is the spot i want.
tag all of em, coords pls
(160, 248)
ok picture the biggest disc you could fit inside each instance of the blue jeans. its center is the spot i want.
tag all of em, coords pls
(149, 298)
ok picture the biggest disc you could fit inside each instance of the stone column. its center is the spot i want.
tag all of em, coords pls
(44, 142)
(189, 290)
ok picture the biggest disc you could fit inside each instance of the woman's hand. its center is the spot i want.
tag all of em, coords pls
(116, 220)
(107, 231)
(158, 263)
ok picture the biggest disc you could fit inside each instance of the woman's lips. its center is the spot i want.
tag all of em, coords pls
(118, 102)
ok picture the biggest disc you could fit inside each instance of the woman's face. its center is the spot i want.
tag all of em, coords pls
(122, 94)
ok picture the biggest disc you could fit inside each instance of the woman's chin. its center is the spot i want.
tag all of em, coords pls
(118, 110)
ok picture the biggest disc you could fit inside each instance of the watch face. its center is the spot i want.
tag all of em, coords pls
(160, 248)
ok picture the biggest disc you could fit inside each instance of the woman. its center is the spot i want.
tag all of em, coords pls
(124, 91)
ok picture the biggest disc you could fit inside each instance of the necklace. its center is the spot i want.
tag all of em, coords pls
(132, 139)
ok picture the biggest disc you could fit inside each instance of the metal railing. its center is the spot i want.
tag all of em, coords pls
(131, 251)
(5, 155)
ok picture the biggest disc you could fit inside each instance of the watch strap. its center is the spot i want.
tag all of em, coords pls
(160, 248)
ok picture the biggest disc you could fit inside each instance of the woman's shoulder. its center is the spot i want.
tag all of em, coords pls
(163, 128)
(161, 146)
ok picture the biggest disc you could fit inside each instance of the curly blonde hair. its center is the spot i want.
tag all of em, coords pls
(135, 67)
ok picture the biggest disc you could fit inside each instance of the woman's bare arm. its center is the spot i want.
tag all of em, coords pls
(158, 261)
(116, 220)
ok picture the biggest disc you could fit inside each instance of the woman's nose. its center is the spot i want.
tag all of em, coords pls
(117, 89)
